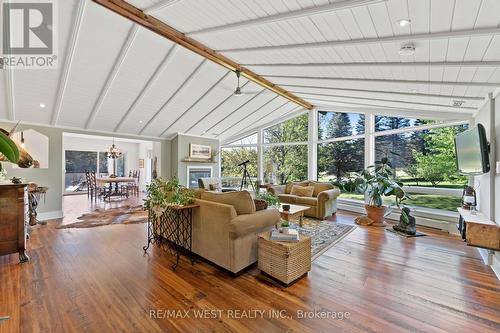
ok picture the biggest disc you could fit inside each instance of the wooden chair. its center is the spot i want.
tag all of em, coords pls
(133, 187)
(89, 183)
(95, 190)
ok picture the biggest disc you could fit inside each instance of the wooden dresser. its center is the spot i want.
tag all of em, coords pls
(13, 219)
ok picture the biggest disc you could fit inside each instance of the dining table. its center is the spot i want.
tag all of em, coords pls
(113, 191)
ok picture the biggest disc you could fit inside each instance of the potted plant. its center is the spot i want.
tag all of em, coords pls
(284, 226)
(8, 151)
(271, 199)
(162, 193)
(379, 181)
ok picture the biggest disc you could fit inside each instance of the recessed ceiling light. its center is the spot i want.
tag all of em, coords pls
(407, 49)
(140, 121)
(42, 105)
(414, 91)
(404, 22)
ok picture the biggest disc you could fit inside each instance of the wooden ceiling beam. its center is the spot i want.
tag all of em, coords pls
(151, 23)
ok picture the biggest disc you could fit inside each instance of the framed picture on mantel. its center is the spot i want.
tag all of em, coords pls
(201, 152)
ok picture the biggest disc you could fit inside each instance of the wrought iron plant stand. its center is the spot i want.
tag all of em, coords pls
(174, 229)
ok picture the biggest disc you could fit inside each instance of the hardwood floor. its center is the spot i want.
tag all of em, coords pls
(98, 280)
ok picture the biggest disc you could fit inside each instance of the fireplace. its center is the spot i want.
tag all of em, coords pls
(196, 172)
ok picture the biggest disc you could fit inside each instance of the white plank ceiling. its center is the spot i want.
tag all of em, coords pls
(117, 77)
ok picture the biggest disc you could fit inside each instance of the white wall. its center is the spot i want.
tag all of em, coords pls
(489, 184)
(482, 182)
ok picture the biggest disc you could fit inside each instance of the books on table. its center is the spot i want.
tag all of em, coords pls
(292, 235)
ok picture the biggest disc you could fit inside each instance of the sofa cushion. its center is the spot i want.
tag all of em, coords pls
(289, 185)
(306, 201)
(287, 198)
(302, 191)
(241, 200)
(245, 224)
(320, 187)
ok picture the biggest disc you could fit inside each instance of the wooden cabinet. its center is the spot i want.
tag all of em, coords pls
(480, 231)
(13, 219)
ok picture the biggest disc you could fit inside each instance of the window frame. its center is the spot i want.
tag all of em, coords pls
(369, 136)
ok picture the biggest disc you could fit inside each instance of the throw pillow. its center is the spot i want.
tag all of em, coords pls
(302, 191)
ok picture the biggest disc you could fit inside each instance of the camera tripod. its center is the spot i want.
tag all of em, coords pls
(246, 179)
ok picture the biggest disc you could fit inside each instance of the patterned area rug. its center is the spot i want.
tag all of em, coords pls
(324, 234)
(100, 217)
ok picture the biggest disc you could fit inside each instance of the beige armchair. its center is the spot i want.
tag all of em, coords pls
(322, 203)
(225, 228)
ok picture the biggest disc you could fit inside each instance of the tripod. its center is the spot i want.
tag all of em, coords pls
(246, 179)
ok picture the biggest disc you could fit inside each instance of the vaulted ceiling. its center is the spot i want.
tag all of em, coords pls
(116, 76)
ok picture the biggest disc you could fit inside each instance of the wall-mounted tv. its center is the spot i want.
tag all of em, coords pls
(472, 151)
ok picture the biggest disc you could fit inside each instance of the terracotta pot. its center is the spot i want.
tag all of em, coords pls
(376, 214)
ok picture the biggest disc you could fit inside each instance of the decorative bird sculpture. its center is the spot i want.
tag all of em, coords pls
(12, 151)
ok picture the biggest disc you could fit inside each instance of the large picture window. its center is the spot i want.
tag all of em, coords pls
(76, 162)
(340, 163)
(231, 172)
(285, 151)
(293, 130)
(333, 125)
(346, 143)
(285, 163)
(385, 123)
(426, 159)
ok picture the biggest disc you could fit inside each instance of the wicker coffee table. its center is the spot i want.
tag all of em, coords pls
(286, 262)
(295, 212)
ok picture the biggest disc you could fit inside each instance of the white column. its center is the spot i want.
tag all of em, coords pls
(369, 139)
(369, 142)
(312, 145)
(260, 155)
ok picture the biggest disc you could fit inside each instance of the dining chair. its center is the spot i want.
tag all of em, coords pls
(89, 183)
(96, 190)
(133, 187)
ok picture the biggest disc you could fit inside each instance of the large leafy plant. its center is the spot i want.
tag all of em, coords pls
(162, 193)
(379, 181)
(8, 149)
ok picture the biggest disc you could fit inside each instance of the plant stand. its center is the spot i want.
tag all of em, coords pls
(173, 228)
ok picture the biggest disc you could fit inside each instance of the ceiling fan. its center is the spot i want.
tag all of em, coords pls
(239, 91)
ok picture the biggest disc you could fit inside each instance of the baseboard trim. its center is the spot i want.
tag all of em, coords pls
(58, 214)
(495, 265)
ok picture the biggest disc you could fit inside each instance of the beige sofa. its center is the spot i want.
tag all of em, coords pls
(322, 204)
(225, 228)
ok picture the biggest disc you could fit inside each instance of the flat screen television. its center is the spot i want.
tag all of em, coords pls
(472, 151)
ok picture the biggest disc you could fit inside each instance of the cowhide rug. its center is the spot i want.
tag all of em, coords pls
(100, 217)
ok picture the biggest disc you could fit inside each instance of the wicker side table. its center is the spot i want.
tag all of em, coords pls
(284, 261)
